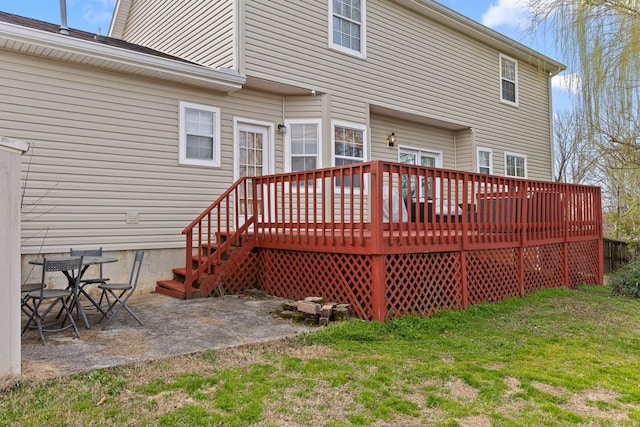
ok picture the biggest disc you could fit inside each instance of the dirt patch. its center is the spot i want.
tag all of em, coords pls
(550, 389)
(458, 389)
(584, 404)
(513, 386)
(134, 339)
(475, 421)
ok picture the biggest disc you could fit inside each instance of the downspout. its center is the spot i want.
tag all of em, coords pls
(64, 30)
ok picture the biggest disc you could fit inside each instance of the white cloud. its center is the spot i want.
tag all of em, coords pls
(571, 83)
(98, 11)
(512, 13)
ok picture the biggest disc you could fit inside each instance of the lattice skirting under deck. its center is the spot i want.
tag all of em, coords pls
(422, 283)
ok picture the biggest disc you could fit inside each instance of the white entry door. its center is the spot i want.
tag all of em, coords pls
(253, 154)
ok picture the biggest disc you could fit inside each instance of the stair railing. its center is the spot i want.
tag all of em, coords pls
(225, 223)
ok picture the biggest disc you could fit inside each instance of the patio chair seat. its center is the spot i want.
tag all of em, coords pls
(51, 293)
(35, 298)
(116, 286)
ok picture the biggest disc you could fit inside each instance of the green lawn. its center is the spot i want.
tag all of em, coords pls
(557, 357)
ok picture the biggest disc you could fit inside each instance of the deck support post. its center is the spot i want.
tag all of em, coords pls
(521, 271)
(598, 208)
(565, 263)
(565, 242)
(378, 281)
(464, 284)
(379, 286)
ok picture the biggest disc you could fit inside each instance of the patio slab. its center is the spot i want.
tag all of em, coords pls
(171, 327)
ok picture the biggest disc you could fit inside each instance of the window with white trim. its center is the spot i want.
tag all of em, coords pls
(349, 147)
(515, 165)
(199, 135)
(485, 160)
(508, 80)
(302, 145)
(347, 26)
(302, 150)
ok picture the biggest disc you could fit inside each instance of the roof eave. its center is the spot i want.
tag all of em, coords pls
(61, 47)
(486, 35)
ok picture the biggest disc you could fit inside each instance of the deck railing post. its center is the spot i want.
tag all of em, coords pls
(188, 274)
(523, 200)
(598, 219)
(378, 288)
(565, 242)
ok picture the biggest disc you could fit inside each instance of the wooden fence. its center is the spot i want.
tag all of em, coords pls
(618, 252)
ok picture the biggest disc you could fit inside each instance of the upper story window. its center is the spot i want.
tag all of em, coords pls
(508, 80)
(485, 161)
(515, 165)
(199, 134)
(347, 26)
(348, 147)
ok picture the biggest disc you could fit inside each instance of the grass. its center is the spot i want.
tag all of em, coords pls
(557, 357)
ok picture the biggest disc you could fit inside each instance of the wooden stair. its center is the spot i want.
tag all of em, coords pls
(176, 287)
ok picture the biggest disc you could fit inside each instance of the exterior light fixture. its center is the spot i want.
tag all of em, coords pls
(391, 139)
(282, 129)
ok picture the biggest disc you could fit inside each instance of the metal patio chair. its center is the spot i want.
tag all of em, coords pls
(25, 302)
(117, 294)
(100, 279)
(36, 298)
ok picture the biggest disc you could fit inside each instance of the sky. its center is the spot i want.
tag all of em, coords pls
(505, 16)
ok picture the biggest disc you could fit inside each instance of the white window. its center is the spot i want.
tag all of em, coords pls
(508, 80)
(348, 147)
(302, 145)
(199, 135)
(347, 26)
(515, 165)
(485, 160)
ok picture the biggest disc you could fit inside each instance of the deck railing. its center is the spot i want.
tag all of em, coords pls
(224, 224)
(383, 208)
(382, 212)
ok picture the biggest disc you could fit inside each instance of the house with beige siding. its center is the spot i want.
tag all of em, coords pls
(132, 135)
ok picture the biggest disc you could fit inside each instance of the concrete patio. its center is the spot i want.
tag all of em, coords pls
(171, 327)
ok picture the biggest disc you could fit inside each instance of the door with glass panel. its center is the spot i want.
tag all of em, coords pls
(410, 186)
(253, 153)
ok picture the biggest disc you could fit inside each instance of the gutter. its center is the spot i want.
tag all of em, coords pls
(55, 45)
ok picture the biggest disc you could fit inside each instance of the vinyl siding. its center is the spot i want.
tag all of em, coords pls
(411, 135)
(105, 146)
(202, 32)
(465, 151)
(446, 75)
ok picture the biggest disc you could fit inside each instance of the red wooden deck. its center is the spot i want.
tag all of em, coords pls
(392, 239)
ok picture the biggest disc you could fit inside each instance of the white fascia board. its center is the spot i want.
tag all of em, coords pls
(142, 63)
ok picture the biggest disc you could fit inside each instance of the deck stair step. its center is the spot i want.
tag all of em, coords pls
(174, 288)
(222, 237)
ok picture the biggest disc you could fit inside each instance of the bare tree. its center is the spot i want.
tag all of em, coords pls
(575, 157)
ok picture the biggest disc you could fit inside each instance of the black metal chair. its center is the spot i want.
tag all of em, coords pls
(100, 279)
(36, 298)
(120, 293)
(25, 305)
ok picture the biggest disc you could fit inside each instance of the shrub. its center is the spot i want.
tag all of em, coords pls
(626, 281)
